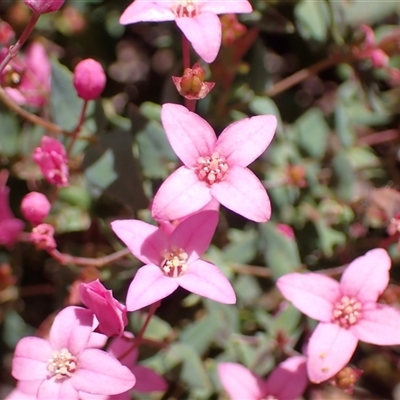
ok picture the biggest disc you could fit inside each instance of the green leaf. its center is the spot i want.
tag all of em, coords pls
(155, 153)
(66, 106)
(15, 328)
(344, 176)
(111, 168)
(281, 254)
(312, 19)
(157, 329)
(313, 132)
(329, 237)
(9, 134)
(242, 247)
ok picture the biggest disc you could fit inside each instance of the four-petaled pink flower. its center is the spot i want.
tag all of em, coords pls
(147, 380)
(173, 259)
(197, 19)
(110, 313)
(214, 168)
(348, 311)
(67, 366)
(52, 160)
(286, 382)
(10, 227)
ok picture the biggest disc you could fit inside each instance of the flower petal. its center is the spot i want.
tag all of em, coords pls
(226, 7)
(145, 241)
(51, 389)
(147, 380)
(194, 234)
(148, 10)
(181, 194)
(71, 329)
(30, 360)
(239, 382)
(313, 294)
(148, 286)
(367, 276)
(380, 326)
(330, 348)
(245, 140)
(101, 373)
(204, 33)
(242, 192)
(205, 279)
(289, 379)
(189, 135)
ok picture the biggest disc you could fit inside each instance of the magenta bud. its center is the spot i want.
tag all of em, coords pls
(44, 6)
(89, 79)
(35, 207)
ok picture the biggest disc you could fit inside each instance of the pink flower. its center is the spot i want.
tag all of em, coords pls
(27, 80)
(147, 380)
(35, 207)
(67, 366)
(10, 227)
(89, 79)
(52, 160)
(110, 313)
(348, 311)
(286, 382)
(214, 168)
(197, 19)
(44, 6)
(42, 236)
(173, 259)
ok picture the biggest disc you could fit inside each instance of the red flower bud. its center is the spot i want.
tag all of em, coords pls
(44, 6)
(89, 79)
(232, 29)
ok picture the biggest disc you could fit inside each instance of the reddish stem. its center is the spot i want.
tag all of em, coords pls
(13, 50)
(76, 131)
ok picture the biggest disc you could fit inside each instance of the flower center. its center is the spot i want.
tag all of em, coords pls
(212, 169)
(347, 311)
(185, 8)
(174, 263)
(63, 364)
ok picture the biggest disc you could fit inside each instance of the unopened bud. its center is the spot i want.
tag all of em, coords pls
(44, 6)
(42, 236)
(232, 29)
(89, 79)
(191, 85)
(35, 207)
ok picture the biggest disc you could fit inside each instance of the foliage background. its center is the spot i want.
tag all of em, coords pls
(332, 173)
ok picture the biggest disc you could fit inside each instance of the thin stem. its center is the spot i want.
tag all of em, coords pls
(65, 259)
(190, 104)
(76, 131)
(13, 50)
(185, 52)
(305, 73)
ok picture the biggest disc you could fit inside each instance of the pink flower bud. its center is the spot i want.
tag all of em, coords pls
(35, 207)
(110, 313)
(42, 236)
(89, 79)
(52, 160)
(44, 6)
(6, 34)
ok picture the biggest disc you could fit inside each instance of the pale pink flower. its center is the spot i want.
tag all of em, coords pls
(348, 311)
(147, 380)
(110, 313)
(67, 366)
(173, 259)
(214, 168)
(52, 160)
(10, 227)
(286, 382)
(197, 19)
(27, 79)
